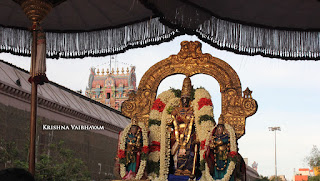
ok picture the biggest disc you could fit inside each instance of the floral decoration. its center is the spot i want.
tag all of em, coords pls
(232, 154)
(206, 118)
(155, 146)
(204, 121)
(233, 151)
(165, 140)
(158, 105)
(144, 150)
(204, 102)
(155, 133)
(121, 154)
(202, 145)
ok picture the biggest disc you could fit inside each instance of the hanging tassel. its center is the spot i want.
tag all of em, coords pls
(40, 66)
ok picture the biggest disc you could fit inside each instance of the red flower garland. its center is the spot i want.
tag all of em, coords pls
(204, 102)
(121, 154)
(145, 149)
(233, 154)
(155, 146)
(202, 144)
(158, 105)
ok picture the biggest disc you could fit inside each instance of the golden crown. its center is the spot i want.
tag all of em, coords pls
(186, 88)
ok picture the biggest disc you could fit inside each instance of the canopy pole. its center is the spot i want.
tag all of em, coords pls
(34, 97)
(35, 10)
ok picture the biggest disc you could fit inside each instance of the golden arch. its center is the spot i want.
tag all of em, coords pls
(190, 61)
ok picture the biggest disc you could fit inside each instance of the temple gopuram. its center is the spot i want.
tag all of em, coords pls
(111, 87)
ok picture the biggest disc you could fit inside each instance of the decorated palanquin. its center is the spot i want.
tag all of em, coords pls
(174, 136)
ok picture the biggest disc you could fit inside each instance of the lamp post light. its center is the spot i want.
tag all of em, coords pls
(275, 129)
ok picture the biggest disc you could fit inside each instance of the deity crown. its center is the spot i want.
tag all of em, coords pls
(186, 88)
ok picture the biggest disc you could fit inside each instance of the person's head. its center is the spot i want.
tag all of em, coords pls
(220, 129)
(134, 129)
(15, 174)
(185, 101)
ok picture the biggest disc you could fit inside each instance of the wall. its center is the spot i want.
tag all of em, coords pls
(91, 147)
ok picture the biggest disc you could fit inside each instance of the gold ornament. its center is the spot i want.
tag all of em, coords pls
(36, 10)
(186, 88)
(190, 61)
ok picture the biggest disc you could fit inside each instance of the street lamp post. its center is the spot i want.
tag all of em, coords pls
(275, 129)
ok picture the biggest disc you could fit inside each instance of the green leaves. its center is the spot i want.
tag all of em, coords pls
(202, 165)
(153, 167)
(313, 159)
(206, 118)
(56, 162)
(154, 122)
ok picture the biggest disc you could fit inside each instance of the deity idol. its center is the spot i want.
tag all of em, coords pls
(133, 149)
(183, 137)
(218, 154)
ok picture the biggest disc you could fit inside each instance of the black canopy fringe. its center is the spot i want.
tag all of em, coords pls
(239, 38)
(245, 39)
(92, 43)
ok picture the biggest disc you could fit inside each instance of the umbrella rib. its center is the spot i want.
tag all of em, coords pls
(59, 17)
(10, 15)
(99, 9)
(120, 7)
(79, 14)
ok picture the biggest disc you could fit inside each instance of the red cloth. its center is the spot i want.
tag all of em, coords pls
(137, 162)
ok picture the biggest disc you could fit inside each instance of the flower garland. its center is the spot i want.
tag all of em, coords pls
(156, 112)
(165, 139)
(204, 121)
(144, 150)
(203, 110)
(233, 152)
(202, 105)
(158, 105)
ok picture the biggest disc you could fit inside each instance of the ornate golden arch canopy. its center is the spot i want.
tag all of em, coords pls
(190, 61)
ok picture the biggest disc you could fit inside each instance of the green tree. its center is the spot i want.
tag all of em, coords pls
(8, 153)
(315, 178)
(55, 163)
(278, 178)
(262, 178)
(59, 163)
(313, 159)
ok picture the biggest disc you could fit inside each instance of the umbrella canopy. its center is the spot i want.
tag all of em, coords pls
(286, 29)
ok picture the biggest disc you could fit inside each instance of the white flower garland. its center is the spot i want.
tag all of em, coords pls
(155, 130)
(204, 129)
(154, 133)
(165, 140)
(233, 147)
(145, 142)
(166, 96)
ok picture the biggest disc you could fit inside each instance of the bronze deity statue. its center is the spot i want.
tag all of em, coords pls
(183, 137)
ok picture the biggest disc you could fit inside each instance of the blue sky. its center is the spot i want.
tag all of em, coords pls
(287, 92)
